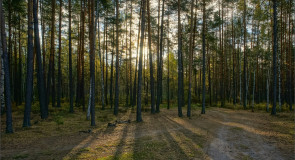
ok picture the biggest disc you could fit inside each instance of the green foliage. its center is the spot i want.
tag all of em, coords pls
(58, 119)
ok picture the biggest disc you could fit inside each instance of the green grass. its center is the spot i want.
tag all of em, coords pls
(21, 156)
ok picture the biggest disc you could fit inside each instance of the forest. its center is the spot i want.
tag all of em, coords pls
(147, 79)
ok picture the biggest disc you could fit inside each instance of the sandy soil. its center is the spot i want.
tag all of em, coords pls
(219, 134)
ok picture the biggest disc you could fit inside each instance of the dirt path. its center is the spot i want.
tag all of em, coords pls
(232, 141)
(219, 134)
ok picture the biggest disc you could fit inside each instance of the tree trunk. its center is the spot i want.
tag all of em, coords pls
(253, 92)
(20, 99)
(204, 61)
(30, 69)
(180, 70)
(130, 55)
(159, 72)
(40, 75)
(138, 110)
(135, 70)
(92, 60)
(43, 42)
(59, 56)
(275, 47)
(106, 66)
(168, 65)
(290, 60)
(116, 108)
(151, 59)
(70, 58)
(190, 60)
(126, 59)
(6, 72)
(51, 77)
(100, 61)
(245, 57)
(2, 101)
(267, 91)
(234, 64)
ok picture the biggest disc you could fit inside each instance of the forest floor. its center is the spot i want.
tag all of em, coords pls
(218, 134)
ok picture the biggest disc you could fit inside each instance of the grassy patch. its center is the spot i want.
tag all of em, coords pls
(236, 129)
(21, 156)
(244, 147)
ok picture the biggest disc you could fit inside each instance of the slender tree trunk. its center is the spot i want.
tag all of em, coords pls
(116, 108)
(135, 72)
(92, 60)
(234, 61)
(159, 72)
(20, 99)
(180, 74)
(138, 110)
(112, 69)
(100, 60)
(59, 56)
(89, 101)
(168, 61)
(130, 54)
(267, 91)
(6, 72)
(82, 94)
(126, 59)
(245, 57)
(275, 47)
(190, 60)
(253, 92)
(290, 60)
(30, 68)
(70, 58)
(43, 41)
(2, 101)
(40, 75)
(204, 61)
(51, 77)
(106, 66)
(15, 83)
(151, 60)
(222, 59)
(9, 44)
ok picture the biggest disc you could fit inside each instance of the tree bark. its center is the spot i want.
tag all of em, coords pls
(40, 75)
(59, 56)
(100, 61)
(51, 77)
(159, 72)
(116, 108)
(2, 101)
(204, 61)
(7, 93)
(138, 110)
(30, 69)
(180, 70)
(70, 58)
(92, 60)
(245, 57)
(151, 59)
(190, 60)
(275, 47)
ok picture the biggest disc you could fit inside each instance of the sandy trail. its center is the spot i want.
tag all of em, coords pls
(233, 142)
